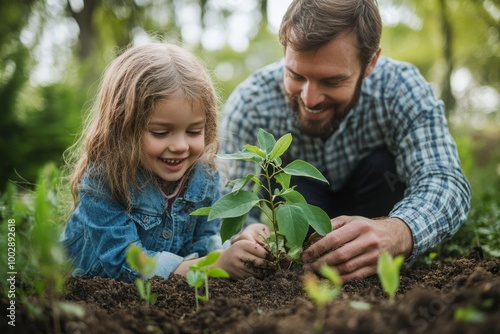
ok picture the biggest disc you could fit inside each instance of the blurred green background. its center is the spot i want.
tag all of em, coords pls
(53, 52)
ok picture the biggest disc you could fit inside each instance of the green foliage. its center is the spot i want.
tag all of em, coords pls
(198, 275)
(480, 159)
(31, 222)
(145, 265)
(39, 256)
(472, 313)
(388, 273)
(289, 214)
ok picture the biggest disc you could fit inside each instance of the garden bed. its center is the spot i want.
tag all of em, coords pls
(427, 301)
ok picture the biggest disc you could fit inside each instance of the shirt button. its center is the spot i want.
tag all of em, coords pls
(166, 234)
(145, 219)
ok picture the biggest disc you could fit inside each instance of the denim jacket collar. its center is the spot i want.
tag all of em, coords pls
(148, 197)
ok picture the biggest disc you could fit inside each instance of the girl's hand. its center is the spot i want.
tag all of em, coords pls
(242, 257)
(257, 232)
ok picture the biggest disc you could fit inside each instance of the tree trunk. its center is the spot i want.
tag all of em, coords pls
(446, 29)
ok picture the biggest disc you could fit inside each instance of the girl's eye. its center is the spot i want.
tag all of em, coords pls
(159, 133)
(195, 132)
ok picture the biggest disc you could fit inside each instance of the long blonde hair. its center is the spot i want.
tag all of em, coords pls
(113, 133)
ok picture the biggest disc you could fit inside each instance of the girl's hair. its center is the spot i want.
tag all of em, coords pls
(310, 24)
(113, 134)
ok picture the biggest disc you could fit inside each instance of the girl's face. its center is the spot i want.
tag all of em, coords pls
(174, 139)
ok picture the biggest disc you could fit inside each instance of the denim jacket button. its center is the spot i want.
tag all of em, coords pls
(166, 234)
(145, 220)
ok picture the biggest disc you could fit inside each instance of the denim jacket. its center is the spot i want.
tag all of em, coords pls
(100, 229)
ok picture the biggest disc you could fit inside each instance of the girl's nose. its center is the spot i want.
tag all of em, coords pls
(179, 144)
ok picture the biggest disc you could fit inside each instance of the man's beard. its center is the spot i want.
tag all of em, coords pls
(314, 128)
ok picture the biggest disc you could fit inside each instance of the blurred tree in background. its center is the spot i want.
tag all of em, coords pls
(52, 53)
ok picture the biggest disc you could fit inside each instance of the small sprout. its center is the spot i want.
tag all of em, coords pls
(388, 273)
(145, 265)
(198, 275)
(322, 291)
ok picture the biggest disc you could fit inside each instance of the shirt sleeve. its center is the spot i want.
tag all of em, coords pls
(110, 231)
(437, 198)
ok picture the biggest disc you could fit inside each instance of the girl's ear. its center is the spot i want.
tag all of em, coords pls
(373, 62)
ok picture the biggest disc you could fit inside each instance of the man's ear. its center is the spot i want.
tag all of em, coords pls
(373, 62)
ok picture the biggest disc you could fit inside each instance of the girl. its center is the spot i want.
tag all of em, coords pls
(144, 161)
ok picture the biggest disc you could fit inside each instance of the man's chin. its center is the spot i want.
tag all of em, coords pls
(316, 129)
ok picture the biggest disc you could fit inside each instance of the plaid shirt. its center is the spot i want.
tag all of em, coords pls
(397, 109)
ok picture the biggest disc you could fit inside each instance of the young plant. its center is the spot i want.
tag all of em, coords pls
(388, 273)
(322, 292)
(145, 265)
(199, 273)
(286, 209)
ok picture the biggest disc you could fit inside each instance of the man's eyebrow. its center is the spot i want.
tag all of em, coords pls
(338, 77)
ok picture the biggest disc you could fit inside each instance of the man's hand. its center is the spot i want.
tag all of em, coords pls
(355, 244)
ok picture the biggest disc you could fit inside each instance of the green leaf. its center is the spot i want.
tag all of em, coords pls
(231, 226)
(283, 179)
(293, 196)
(217, 273)
(317, 218)
(266, 140)
(194, 279)
(331, 274)
(281, 146)
(233, 205)
(240, 155)
(238, 184)
(292, 223)
(209, 259)
(139, 283)
(388, 272)
(302, 168)
(205, 211)
(202, 298)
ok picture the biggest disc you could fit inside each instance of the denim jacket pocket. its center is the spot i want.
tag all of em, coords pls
(146, 220)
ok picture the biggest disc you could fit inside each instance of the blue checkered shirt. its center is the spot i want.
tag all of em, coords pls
(397, 109)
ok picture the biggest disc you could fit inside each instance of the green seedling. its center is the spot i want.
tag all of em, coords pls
(286, 210)
(388, 273)
(198, 275)
(145, 265)
(322, 292)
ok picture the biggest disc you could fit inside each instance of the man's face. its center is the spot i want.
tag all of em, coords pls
(323, 85)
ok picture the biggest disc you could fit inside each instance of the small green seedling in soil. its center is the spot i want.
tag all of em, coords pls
(322, 292)
(198, 275)
(145, 265)
(388, 273)
(286, 209)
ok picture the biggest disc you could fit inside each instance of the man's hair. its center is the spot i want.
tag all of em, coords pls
(113, 134)
(310, 24)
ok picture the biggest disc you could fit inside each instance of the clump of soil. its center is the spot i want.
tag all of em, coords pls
(427, 300)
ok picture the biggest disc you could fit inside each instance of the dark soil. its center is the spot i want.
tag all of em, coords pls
(427, 300)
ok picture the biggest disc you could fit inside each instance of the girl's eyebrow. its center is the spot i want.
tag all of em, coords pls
(198, 123)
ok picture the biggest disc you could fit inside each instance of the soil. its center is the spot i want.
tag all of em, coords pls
(428, 298)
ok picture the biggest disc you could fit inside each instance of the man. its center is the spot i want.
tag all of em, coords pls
(370, 124)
